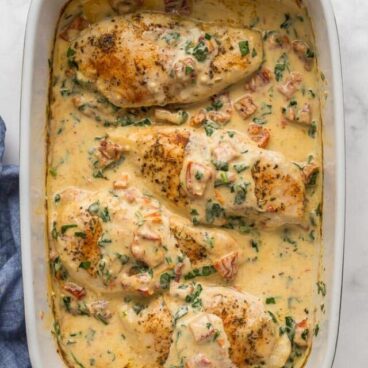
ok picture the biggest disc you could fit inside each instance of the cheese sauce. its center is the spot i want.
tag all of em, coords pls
(281, 265)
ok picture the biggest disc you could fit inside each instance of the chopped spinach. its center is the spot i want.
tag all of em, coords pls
(321, 288)
(197, 272)
(282, 64)
(194, 214)
(193, 298)
(287, 22)
(85, 265)
(210, 127)
(65, 228)
(312, 130)
(244, 48)
(166, 278)
(213, 211)
(220, 165)
(271, 300)
(200, 51)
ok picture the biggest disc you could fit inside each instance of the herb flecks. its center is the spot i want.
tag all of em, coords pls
(198, 272)
(244, 48)
(281, 66)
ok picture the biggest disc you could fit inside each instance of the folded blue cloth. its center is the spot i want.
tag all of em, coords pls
(13, 341)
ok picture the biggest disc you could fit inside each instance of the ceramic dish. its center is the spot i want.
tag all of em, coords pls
(42, 18)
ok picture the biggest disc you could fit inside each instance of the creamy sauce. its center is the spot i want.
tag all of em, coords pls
(280, 265)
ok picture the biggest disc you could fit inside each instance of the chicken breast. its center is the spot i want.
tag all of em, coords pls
(200, 341)
(251, 332)
(151, 59)
(221, 177)
(153, 328)
(125, 242)
(115, 241)
(197, 323)
(206, 246)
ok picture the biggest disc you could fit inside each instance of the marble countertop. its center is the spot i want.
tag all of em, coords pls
(353, 29)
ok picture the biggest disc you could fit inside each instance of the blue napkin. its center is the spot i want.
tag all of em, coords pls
(13, 341)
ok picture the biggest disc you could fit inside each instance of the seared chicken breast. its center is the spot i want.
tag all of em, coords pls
(221, 326)
(199, 341)
(125, 242)
(115, 241)
(153, 328)
(151, 59)
(220, 178)
(208, 246)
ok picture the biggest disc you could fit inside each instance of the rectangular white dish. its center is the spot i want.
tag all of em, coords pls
(42, 19)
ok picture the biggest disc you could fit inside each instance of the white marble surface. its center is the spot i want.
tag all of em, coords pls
(352, 21)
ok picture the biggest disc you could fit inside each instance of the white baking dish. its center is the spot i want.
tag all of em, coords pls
(42, 19)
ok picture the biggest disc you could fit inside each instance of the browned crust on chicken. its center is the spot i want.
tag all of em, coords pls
(235, 315)
(162, 161)
(158, 323)
(125, 59)
(188, 245)
(267, 177)
(87, 249)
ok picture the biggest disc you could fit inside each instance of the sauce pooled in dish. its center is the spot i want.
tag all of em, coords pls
(185, 184)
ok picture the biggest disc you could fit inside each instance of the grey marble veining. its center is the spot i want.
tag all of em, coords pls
(352, 19)
(353, 29)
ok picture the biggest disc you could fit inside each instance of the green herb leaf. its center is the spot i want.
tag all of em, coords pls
(316, 330)
(104, 240)
(310, 54)
(200, 51)
(83, 309)
(244, 48)
(54, 232)
(65, 228)
(220, 165)
(53, 172)
(193, 298)
(194, 214)
(273, 317)
(289, 328)
(166, 278)
(287, 22)
(58, 270)
(188, 70)
(197, 272)
(85, 265)
(240, 193)
(239, 168)
(210, 127)
(70, 52)
(217, 104)
(312, 129)
(181, 312)
(77, 362)
(198, 175)
(254, 244)
(321, 288)
(66, 302)
(224, 180)
(282, 64)
(105, 215)
(213, 211)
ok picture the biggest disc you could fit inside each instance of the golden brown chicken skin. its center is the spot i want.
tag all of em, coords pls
(150, 59)
(221, 177)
